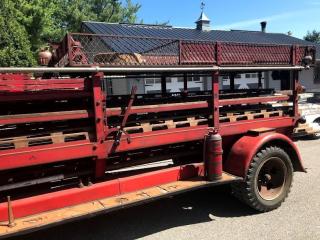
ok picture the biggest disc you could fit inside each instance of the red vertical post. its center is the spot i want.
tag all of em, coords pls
(218, 53)
(215, 99)
(180, 52)
(99, 99)
(294, 55)
(69, 49)
(295, 84)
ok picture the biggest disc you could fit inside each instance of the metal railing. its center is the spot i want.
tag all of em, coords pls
(80, 49)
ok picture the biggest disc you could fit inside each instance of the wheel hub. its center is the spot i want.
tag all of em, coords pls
(271, 178)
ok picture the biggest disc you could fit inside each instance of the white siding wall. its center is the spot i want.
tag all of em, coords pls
(307, 80)
(122, 86)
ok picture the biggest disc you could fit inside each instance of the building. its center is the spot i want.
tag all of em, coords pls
(202, 32)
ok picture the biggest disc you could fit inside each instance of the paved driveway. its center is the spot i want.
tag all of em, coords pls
(210, 214)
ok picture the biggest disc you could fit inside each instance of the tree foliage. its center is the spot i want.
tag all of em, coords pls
(313, 36)
(14, 43)
(28, 25)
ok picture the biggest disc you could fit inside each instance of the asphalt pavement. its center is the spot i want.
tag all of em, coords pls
(209, 214)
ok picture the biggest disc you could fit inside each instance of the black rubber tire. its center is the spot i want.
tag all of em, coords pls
(248, 192)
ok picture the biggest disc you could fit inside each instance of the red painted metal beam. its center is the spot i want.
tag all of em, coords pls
(44, 117)
(100, 124)
(227, 129)
(162, 137)
(43, 95)
(295, 84)
(171, 136)
(13, 84)
(65, 198)
(16, 158)
(24, 157)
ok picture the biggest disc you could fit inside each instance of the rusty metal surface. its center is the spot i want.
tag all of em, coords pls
(108, 204)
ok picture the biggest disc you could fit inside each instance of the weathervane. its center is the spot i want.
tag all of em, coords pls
(202, 5)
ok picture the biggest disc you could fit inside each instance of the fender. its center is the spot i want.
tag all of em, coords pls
(243, 151)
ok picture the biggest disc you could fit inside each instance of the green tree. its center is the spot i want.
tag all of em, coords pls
(49, 20)
(313, 36)
(14, 42)
(37, 22)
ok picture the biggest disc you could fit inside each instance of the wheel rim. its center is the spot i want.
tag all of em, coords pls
(271, 178)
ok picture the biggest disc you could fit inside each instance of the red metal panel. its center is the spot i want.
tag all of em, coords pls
(20, 83)
(151, 179)
(255, 54)
(99, 110)
(37, 155)
(218, 53)
(60, 199)
(170, 136)
(295, 83)
(44, 117)
(227, 129)
(163, 137)
(43, 95)
(197, 53)
(107, 50)
(64, 198)
(294, 55)
(241, 155)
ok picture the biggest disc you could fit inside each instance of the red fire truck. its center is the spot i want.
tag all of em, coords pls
(68, 145)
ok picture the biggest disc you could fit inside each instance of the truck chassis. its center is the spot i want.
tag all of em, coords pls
(66, 147)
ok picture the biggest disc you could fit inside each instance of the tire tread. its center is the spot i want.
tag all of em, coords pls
(243, 191)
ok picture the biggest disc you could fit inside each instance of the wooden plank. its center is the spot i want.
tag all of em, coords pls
(192, 121)
(53, 138)
(57, 137)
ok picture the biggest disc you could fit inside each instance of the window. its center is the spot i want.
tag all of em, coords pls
(251, 75)
(168, 80)
(180, 79)
(194, 79)
(149, 81)
(238, 76)
(225, 77)
(152, 79)
(157, 80)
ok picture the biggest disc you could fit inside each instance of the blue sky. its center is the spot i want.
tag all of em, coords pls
(282, 15)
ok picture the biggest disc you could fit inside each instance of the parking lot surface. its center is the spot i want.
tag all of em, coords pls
(209, 214)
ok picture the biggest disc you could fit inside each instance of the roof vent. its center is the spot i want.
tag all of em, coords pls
(263, 26)
(203, 23)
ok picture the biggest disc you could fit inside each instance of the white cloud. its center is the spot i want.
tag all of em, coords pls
(273, 18)
(314, 3)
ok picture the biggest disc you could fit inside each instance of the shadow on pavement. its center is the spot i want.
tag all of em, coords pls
(136, 222)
